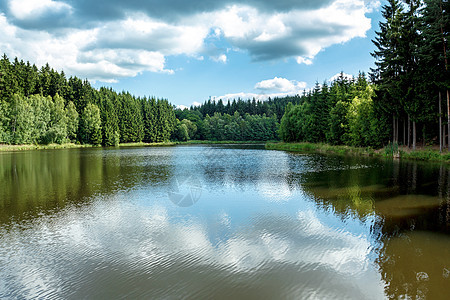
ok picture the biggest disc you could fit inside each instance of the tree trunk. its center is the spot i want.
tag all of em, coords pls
(414, 135)
(443, 137)
(393, 129)
(440, 124)
(404, 132)
(409, 132)
(423, 134)
(448, 120)
(446, 69)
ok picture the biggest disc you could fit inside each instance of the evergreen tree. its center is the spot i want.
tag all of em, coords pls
(149, 115)
(388, 61)
(110, 120)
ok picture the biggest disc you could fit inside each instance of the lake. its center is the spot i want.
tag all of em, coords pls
(221, 222)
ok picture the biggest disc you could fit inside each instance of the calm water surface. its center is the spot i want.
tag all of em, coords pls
(221, 222)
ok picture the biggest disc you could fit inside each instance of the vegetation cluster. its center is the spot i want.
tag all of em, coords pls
(42, 106)
(398, 104)
(402, 102)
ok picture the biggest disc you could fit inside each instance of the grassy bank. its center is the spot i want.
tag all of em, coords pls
(41, 147)
(142, 144)
(196, 142)
(322, 148)
(72, 145)
(424, 154)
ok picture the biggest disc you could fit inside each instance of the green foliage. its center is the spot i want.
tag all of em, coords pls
(110, 119)
(149, 119)
(33, 120)
(21, 119)
(131, 123)
(4, 133)
(362, 121)
(344, 114)
(190, 127)
(391, 149)
(411, 68)
(287, 126)
(41, 106)
(181, 132)
(165, 121)
(57, 127)
(222, 127)
(339, 131)
(322, 148)
(72, 121)
(91, 130)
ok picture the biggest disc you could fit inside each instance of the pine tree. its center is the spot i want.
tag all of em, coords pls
(388, 63)
(432, 53)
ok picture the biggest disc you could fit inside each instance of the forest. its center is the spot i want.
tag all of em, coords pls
(404, 100)
(42, 106)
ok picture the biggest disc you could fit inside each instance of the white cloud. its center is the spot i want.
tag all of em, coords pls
(270, 88)
(304, 60)
(280, 84)
(23, 9)
(125, 40)
(338, 75)
(258, 97)
(372, 5)
(222, 58)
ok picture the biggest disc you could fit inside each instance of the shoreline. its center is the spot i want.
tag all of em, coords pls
(13, 148)
(207, 142)
(421, 154)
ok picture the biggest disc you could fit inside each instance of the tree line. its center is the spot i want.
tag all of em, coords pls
(411, 72)
(41, 106)
(343, 113)
(402, 102)
(225, 127)
(269, 107)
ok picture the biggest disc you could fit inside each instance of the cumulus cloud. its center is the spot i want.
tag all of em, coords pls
(220, 58)
(106, 40)
(343, 75)
(270, 88)
(23, 9)
(280, 84)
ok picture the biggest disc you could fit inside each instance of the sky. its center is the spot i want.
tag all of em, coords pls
(191, 51)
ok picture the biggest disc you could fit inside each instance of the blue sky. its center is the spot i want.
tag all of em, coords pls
(188, 51)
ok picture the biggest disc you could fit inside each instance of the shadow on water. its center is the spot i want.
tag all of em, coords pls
(406, 195)
(411, 205)
(33, 183)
